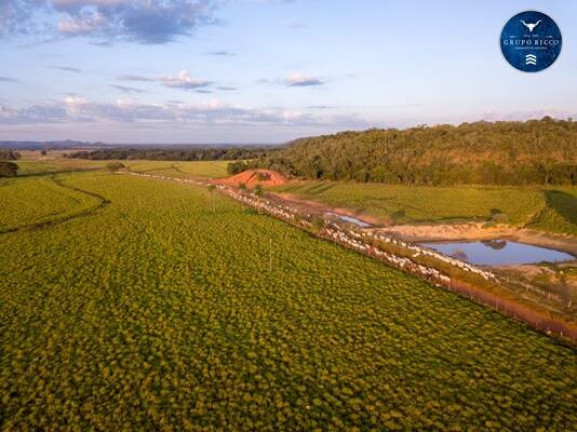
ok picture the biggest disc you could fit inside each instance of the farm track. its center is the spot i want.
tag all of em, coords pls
(59, 218)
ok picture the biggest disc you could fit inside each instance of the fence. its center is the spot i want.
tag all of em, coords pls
(355, 239)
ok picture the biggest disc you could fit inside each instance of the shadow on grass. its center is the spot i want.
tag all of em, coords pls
(52, 173)
(564, 204)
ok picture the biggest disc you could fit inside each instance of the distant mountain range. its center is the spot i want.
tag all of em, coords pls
(71, 144)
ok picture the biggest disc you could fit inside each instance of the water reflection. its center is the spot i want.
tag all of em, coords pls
(350, 219)
(499, 252)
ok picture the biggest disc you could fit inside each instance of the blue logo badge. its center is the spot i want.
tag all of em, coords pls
(531, 41)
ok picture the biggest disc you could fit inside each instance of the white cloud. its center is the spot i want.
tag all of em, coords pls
(143, 21)
(183, 81)
(302, 80)
(75, 110)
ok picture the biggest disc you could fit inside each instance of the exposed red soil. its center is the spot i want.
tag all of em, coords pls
(251, 178)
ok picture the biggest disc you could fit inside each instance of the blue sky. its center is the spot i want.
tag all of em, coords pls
(266, 71)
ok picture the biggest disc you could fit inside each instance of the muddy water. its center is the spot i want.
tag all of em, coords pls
(350, 219)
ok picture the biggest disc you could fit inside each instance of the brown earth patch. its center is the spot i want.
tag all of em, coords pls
(251, 178)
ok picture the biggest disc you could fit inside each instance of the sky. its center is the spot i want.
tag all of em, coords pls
(266, 71)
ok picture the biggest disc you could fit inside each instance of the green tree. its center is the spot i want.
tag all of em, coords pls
(8, 169)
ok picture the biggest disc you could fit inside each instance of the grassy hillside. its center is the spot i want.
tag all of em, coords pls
(409, 204)
(553, 209)
(540, 152)
(154, 313)
(560, 214)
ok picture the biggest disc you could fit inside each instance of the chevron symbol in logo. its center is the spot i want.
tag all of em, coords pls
(531, 59)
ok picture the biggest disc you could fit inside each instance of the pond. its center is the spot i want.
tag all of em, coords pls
(499, 252)
(350, 219)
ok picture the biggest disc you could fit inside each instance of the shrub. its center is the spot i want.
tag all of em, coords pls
(8, 169)
(262, 176)
(115, 166)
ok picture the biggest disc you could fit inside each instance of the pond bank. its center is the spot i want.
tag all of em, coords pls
(499, 252)
(477, 231)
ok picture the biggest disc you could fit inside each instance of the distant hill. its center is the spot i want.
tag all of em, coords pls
(533, 152)
(70, 144)
(41, 145)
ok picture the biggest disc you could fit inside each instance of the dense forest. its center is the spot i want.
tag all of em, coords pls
(534, 152)
(171, 154)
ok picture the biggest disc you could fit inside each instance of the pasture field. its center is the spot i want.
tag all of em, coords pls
(207, 169)
(40, 167)
(154, 313)
(549, 210)
(560, 214)
(28, 202)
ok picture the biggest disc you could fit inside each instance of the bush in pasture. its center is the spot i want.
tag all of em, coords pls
(115, 166)
(262, 176)
(8, 169)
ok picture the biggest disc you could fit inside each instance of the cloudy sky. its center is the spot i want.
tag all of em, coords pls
(263, 71)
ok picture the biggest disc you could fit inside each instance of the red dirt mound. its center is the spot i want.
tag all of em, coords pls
(265, 178)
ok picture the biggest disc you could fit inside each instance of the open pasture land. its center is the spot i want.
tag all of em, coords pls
(548, 210)
(41, 167)
(207, 169)
(31, 202)
(560, 213)
(204, 169)
(154, 313)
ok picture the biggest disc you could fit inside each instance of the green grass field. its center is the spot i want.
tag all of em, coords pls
(209, 169)
(153, 313)
(560, 214)
(213, 169)
(32, 201)
(549, 210)
(41, 167)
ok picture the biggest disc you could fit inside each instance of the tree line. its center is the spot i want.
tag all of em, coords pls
(540, 152)
(171, 154)
(9, 155)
